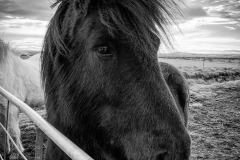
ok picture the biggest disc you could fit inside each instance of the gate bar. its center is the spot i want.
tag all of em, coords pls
(5, 135)
(71, 149)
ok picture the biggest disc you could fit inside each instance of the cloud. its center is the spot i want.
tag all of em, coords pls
(23, 22)
(26, 34)
(192, 11)
(211, 25)
(224, 9)
(220, 19)
(230, 28)
(26, 9)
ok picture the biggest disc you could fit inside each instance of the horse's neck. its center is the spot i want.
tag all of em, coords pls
(22, 78)
(11, 78)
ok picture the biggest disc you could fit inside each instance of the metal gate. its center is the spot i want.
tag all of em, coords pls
(72, 150)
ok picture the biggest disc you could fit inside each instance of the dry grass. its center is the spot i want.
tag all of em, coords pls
(28, 136)
(211, 74)
(214, 123)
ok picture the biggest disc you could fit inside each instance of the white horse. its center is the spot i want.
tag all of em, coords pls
(22, 79)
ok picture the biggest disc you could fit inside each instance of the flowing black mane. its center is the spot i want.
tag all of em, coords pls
(138, 20)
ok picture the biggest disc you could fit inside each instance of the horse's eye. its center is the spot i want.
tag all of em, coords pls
(103, 50)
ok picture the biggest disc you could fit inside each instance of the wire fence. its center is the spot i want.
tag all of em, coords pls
(72, 150)
(15, 145)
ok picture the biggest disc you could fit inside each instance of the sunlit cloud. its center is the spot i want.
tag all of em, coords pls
(23, 27)
(210, 26)
(230, 28)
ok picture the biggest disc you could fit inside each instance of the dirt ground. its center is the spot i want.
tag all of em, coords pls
(214, 123)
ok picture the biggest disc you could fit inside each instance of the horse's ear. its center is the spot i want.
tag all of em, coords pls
(81, 6)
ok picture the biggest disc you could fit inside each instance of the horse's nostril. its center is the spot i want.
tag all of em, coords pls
(161, 156)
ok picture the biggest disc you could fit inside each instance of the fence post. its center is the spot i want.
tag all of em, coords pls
(5, 135)
(39, 144)
(203, 62)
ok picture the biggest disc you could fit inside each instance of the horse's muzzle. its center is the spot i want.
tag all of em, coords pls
(178, 148)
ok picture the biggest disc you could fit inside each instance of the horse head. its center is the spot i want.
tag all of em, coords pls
(104, 88)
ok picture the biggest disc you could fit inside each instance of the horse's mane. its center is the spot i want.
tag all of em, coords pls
(138, 20)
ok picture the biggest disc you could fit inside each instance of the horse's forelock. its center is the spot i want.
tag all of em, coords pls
(139, 20)
(54, 42)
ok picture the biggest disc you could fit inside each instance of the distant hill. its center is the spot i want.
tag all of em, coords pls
(194, 55)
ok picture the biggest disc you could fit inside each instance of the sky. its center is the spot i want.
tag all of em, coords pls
(208, 26)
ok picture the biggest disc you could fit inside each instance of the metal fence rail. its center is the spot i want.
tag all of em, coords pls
(72, 150)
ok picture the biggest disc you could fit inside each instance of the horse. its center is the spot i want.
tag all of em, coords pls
(104, 88)
(22, 79)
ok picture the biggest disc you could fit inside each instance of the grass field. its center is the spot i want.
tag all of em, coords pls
(214, 110)
(214, 123)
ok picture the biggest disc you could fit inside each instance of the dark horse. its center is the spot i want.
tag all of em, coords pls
(104, 87)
